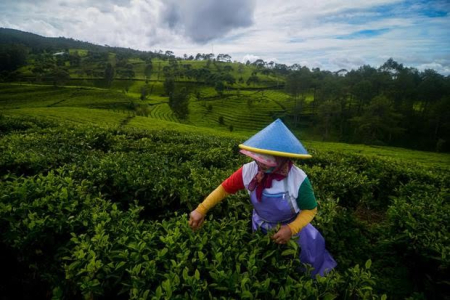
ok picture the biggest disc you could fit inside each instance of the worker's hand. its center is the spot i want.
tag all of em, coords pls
(196, 220)
(283, 235)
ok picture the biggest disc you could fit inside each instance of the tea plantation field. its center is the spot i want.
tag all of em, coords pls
(94, 204)
(244, 111)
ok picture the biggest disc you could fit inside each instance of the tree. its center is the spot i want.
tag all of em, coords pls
(223, 58)
(126, 71)
(75, 59)
(293, 85)
(392, 67)
(240, 68)
(378, 123)
(228, 69)
(298, 109)
(298, 82)
(228, 78)
(253, 79)
(59, 76)
(144, 92)
(363, 92)
(266, 72)
(259, 63)
(327, 116)
(440, 120)
(148, 70)
(169, 86)
(179, 103)
(12, 57)
(169, 54)
(109, 75)
(431, 88)
(219, 87)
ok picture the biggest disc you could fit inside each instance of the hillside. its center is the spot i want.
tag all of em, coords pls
(392, 105)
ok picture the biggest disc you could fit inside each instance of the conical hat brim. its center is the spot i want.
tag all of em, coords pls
(275, 153)
(276, 139)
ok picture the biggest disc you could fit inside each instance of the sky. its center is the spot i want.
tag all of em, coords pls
(330, 35)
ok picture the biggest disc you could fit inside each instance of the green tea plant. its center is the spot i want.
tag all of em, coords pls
(101, 213)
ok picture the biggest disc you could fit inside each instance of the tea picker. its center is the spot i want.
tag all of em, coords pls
(279, 191)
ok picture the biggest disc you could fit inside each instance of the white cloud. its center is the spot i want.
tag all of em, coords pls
(311, 33)
(249, 57)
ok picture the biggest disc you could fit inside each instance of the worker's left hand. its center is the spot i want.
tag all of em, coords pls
(283, 235)
(196, 220)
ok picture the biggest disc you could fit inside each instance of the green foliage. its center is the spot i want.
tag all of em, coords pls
(9, 125)
(59, 76)
(390, 105)
(169, 86)
(12, 57)
(109, 75)
(103, 215)
(179, 102)
(379, 121)
(420, 220)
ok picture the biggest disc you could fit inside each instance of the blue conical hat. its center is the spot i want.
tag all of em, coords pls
(276, 139)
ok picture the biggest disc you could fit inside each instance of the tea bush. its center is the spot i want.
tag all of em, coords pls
(419, 228)
(8, 125)
(102, 213)
(167, 260)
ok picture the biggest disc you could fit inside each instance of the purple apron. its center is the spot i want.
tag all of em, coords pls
(276, 208)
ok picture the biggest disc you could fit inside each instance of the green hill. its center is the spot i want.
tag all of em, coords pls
(367, 105)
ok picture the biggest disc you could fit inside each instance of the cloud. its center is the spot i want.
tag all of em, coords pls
(123, 23)
(346, 63)
(443, 68)
(249, 57)
(203, 21)
(330, 34)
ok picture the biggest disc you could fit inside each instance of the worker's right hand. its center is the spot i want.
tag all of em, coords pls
(196, 220)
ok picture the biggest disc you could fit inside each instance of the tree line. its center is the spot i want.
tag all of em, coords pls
(390, 105)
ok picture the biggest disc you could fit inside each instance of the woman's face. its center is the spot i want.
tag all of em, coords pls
(263, 167)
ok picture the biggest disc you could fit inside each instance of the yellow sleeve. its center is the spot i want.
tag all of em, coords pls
(303, 218)
(215, 197)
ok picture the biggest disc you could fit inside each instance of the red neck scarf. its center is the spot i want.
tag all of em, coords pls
(264, 180)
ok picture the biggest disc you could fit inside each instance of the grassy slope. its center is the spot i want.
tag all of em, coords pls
(85, 109)
(246, 109)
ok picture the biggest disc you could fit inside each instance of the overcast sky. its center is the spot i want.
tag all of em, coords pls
(331, 35)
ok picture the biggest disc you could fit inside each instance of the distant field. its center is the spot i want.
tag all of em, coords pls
(105, 118)
(244, 110)
(109, 118)
(244, 113)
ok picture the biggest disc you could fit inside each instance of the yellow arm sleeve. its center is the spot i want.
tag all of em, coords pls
(303, 218)
(215, 197)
